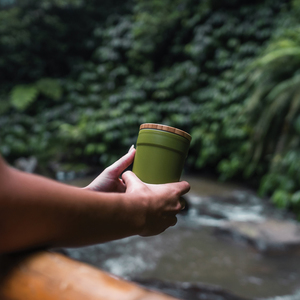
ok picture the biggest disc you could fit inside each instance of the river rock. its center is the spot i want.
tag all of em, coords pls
(270, 236)
(189, 291)
(28, 165)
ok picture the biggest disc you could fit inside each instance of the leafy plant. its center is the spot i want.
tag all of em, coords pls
(275, 102)
(184, 63)
(274, 109)
(24, 95)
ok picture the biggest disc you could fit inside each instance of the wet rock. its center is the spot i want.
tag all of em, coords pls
(212, 213)
(246, 218)
(28, 165)
(189, 291)
(295, 296)
(71, 172)
(270, 236)
(239, 206)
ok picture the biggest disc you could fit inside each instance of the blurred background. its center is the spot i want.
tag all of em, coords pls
(78, 78)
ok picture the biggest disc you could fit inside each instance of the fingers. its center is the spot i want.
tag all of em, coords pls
(179, 188)
(124, 162)
(121, 187)
(182, 203)
(131, 148)
(158, 203)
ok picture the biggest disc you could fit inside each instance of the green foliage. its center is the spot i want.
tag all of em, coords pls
(24, 95)
(185, 69)
(281, 198)
(273, 108)
(60, 3)
(50, 88)
(49, 38)
(225, 71)
(42, 42)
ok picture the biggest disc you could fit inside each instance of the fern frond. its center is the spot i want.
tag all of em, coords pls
(254, 101)
(23, 95)
(287, 85)
(267, 115)
(275, 55)
(50, 88)
(294, 106)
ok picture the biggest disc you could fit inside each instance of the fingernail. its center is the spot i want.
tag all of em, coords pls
(131, 148)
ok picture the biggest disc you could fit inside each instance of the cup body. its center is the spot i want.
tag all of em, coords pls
(160, 154)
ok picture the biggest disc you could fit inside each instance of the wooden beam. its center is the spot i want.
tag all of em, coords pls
(51, 276)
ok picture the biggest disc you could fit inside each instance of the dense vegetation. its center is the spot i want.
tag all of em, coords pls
(78, 79)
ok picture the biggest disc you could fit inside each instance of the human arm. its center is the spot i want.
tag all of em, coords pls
(36, 211)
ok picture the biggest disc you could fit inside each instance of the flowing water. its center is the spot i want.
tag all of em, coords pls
(191, 252)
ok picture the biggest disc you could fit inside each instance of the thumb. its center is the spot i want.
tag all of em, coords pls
(130, 180)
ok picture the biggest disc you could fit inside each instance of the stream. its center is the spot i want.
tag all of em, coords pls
(192, 252)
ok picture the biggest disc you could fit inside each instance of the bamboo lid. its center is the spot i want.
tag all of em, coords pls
(166, 128)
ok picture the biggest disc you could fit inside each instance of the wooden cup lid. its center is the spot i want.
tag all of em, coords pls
(166, 128)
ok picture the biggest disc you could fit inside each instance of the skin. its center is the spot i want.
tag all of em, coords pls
(40, 212)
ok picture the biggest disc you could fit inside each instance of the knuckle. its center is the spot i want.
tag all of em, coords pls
(125, 174)
(178, 207)
(177, 192)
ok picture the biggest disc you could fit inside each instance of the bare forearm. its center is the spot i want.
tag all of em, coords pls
(35, 211)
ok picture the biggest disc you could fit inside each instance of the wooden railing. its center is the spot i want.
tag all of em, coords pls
(51, 276)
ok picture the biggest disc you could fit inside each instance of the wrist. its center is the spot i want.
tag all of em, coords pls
(135, 212)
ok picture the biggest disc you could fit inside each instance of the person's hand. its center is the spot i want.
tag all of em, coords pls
(109, 180)
(156, 204)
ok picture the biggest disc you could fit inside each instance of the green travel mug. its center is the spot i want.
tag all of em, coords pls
(160, 153)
